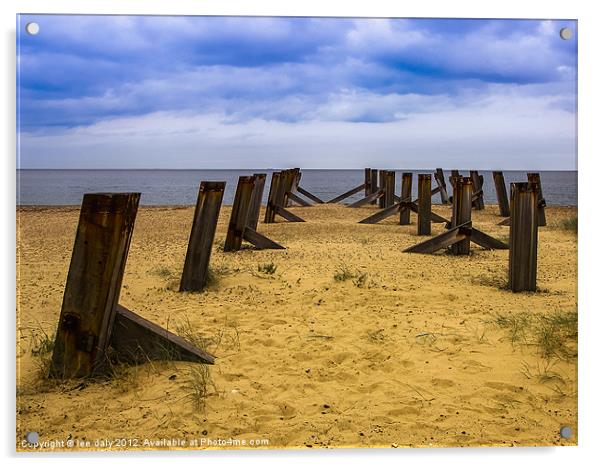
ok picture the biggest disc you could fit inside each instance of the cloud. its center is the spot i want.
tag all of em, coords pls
(503, 131)
(142, 80)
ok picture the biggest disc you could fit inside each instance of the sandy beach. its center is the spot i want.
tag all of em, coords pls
(340, 340)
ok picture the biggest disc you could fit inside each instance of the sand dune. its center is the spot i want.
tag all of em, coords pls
(407, 352)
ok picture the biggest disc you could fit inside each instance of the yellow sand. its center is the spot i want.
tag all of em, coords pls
(408, 357)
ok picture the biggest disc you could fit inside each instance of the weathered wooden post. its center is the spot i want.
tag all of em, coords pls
(206, 213)
(541, 203)
(406, 196)
(462, 211)
(502, 194)
(479, 203)
(256, 200)
(523, 237)
(240, 212)
(98, 260)
(389, 188)
(440, 178)
(424, 204)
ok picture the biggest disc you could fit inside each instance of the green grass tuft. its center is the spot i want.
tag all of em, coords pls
(162, 271)
(199, 384)
(42, 344)
(343, 273)
(554, 335)
(569, 224)
(360, 280)
(268, 269)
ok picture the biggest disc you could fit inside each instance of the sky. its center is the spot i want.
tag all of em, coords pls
(261, 92)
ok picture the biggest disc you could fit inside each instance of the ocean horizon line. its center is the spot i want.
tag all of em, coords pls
(284, 168)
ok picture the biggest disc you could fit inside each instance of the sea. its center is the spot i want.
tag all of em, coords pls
(180, 187)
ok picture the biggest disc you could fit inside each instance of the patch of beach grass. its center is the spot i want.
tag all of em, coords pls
(548, 374)
(162, 271)
(360, 280)
(167, 274)
(376, 336)
(219, 244)
(495, 281)
(343, 273)
(191, 334)
(565, 223)
(215, 273)
(198, 381)
(42, 345)
(199, 385)
(569, 224)
(554, 334)
(557, 334)
(268, 269)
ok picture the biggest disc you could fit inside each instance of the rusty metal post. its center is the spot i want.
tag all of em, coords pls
(502, 194)
(541, 203)
(258, 188)
(523, 237)
(440, 178)
(270, 214)
(462, 211)
(424, 204)
(374, 184)
(367, 181)
(479, 203)
(240, 213)
(406, 196)
(98, 260)
(381, 184)
(389, 188)
(206, 214)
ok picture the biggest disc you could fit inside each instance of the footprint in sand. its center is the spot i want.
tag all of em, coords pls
(444, 383)
(502, 386)
(369, 388)
(232, 377)
(302, 356)
(406, 410)
(273, 322)
(268, 342)
(287, 411)
(341, 357)
(474, 367)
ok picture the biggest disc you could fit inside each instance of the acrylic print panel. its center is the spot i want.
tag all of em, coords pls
(247, 232)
